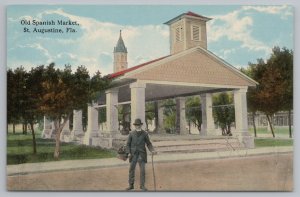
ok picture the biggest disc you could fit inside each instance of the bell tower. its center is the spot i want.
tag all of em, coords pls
(120, 55)
(187, 30)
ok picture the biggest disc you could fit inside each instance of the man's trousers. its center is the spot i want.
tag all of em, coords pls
(136, 158)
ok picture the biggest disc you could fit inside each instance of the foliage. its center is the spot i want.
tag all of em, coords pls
(193, 111)
(16, 84)
(275, 89)
(282, 59)
(123, 117)
(52, 92)
(170, 115)
(12, 107)
(223, 112)
(150, 112)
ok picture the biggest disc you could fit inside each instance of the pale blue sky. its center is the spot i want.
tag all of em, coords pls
(238, 34)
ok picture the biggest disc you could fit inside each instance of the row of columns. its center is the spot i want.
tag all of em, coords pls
(138, 111)
(49, 129)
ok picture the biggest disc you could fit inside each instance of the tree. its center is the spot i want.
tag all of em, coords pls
(282, 59)
(275, 89)
(170, 115)
(31, 101)
(252, 100)
(12, 106)
(124, 118)
(150, 113)
(19, 95)
(63, 92)
(223, 112)
(193, 111)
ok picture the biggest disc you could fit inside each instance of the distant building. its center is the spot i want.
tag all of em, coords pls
(120, 55)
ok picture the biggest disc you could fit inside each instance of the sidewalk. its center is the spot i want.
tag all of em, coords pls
(114, 162)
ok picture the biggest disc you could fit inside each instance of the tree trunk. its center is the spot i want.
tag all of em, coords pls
(290, 123)
(254, 126)
(199, 128)
(57, 146)
(223, 131)
(271, 127)
(23, 129)
(58, 129)
(33, 138)
(14, 128)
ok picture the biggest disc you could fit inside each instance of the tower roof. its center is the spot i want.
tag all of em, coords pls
(187, 14)
(120, 45)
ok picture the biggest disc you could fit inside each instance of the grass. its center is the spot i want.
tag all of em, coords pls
(277, 130)
(19, 150)
(272, 142)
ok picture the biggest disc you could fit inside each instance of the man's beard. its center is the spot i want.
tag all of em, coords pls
(138, 129)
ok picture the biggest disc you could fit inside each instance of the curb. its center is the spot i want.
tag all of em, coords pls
(33, 168)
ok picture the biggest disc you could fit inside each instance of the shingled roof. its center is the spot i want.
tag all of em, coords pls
(120, 73)
(189, 13)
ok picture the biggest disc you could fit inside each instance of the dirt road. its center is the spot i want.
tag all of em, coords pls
(256, 173)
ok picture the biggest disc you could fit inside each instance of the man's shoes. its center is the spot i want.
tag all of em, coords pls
(130, 188)
(143, 188)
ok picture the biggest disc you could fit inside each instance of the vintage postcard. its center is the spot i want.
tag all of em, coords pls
(150, 98)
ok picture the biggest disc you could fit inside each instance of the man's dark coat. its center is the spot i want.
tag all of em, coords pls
(136, 144)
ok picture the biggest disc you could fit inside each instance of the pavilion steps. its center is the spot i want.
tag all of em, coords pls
(197, 145)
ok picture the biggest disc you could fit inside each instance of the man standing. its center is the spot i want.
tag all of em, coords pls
(135, 148)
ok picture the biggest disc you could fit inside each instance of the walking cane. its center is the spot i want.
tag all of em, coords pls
(153, 173)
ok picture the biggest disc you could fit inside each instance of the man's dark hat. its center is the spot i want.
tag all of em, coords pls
(137, 122)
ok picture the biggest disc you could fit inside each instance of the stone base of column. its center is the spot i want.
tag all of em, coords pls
(246, 139)
(66, 137)
(203, 132)
(87, 138)
(108, 140)
(78, 133)
(53, 133)
(104, 142)
(184, 132)
(76, 137)
(211, 132)
(46, 134)
(159, 130)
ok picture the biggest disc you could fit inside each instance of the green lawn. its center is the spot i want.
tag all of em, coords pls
(272, 142)
(19, 150)
(280, 131)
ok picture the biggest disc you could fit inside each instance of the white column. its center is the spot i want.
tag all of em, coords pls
(47, 128)
(92, 127)
(66, 128)
(53, 131)
(65, 133)
(241, 120)
(112, 111)
(77, 123)
(138, 102)
(240, 106)
(208, 125)
(180, 116)
(126, 110)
